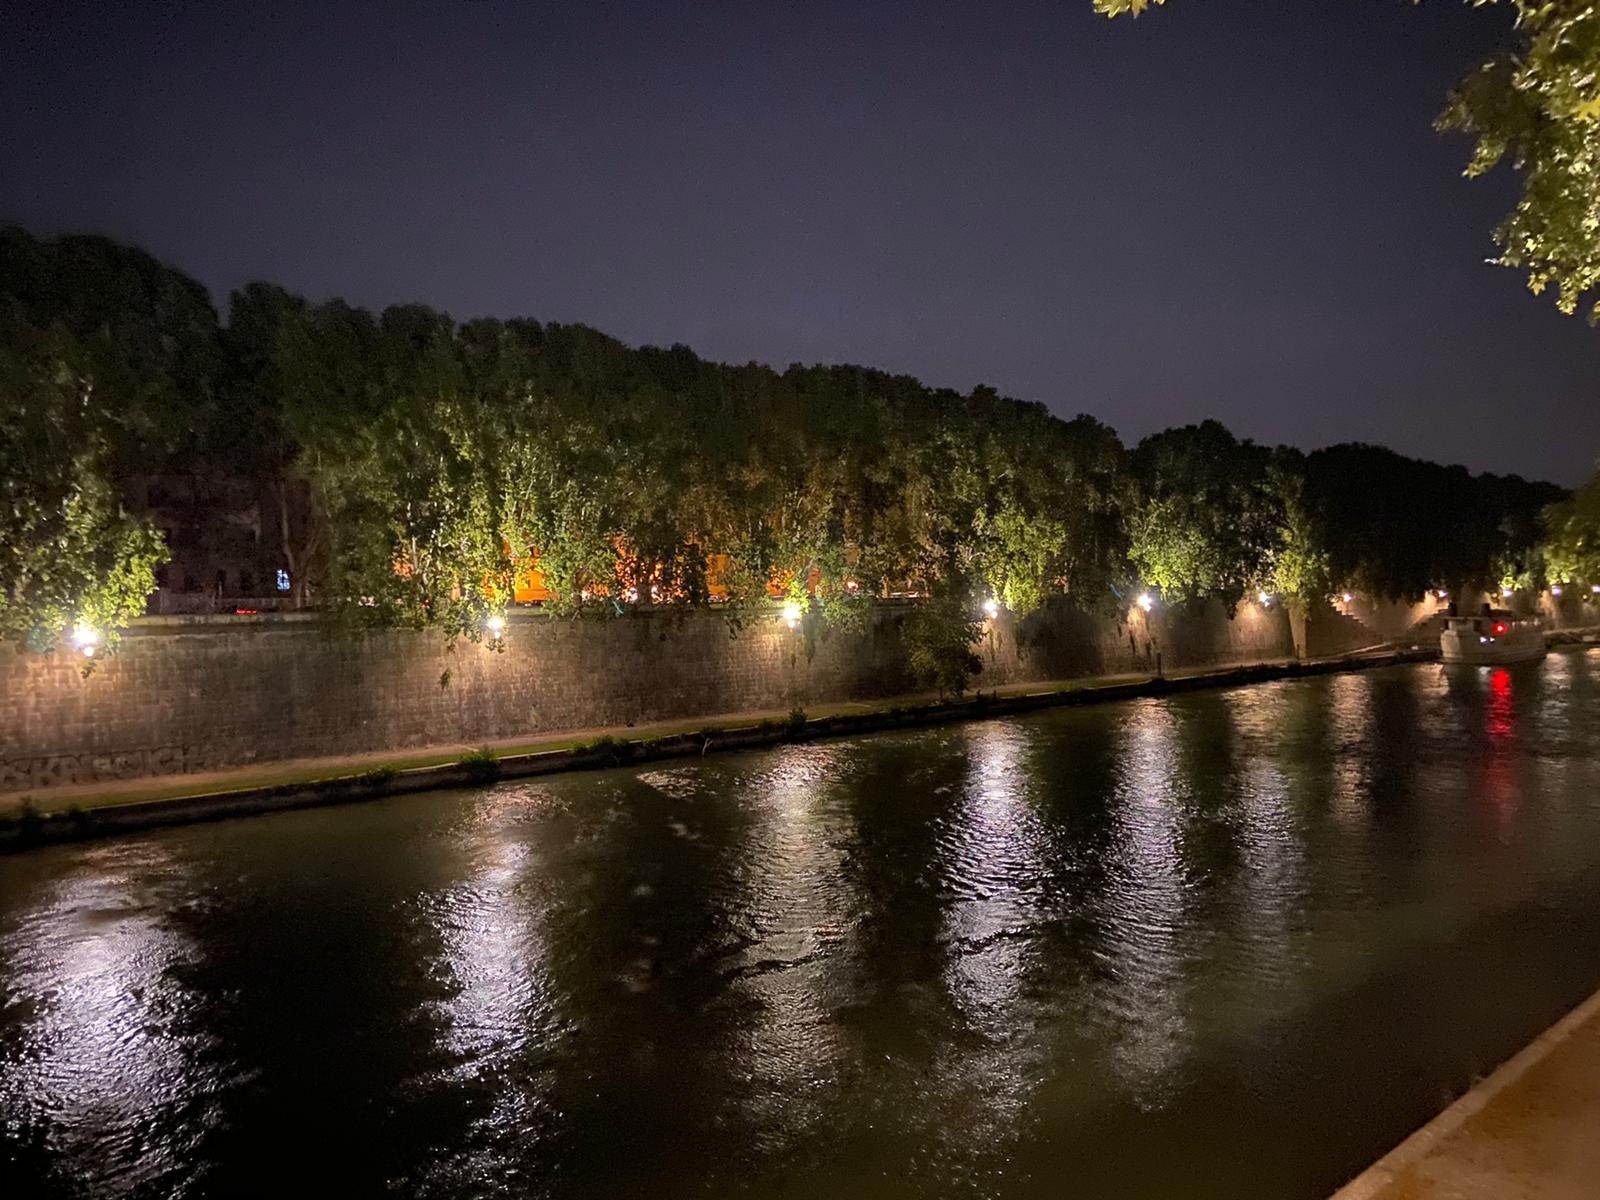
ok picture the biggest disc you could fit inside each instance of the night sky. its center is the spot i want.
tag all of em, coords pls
(1228, 209)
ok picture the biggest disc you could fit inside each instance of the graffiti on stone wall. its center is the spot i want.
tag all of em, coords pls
(57, 770)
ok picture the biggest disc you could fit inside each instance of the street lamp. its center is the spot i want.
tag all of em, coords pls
(86, 639)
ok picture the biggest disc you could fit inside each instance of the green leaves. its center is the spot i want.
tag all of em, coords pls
(106, 359)
(1572, 549)
(410, 467)
(1117, 8)
(1207, 521)
(938, 636)
(1301, 567)
(70, 552)
(1535, 106)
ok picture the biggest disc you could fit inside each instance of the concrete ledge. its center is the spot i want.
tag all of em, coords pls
(98, 815)
(1448, 1158)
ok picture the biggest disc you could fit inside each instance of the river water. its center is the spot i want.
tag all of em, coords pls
(1232, 944)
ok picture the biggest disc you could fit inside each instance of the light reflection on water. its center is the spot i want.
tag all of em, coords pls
(498, 1012)
(1143, 911)
(1264, 930)
(102, 1070)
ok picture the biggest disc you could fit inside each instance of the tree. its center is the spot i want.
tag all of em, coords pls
(1207, 520)
(1397, 527)
(1572, 551)
(403, 461)
(938, 636)
(71, 554)
(1301, 570)
(257, 435)
(106, 366)
(409, 466)
(1535, 105)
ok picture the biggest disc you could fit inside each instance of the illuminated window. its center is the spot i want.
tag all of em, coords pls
(283, 580)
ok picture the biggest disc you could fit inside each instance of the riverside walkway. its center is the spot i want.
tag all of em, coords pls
(1530, 1131)
(233, 788)
(112, 805)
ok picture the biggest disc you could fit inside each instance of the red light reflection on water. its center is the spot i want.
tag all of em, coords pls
(1500, 706)
(1499, 780)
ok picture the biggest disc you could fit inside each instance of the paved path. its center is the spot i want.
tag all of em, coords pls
(107, 793)
(1531, 1131)
(307, 770)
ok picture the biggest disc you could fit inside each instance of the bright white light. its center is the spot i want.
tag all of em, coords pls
(1443, 595)
(1265, 599)
(1555, 589)
(791, 613)
(497, 626)
(1505, 591)
(1146, 601)
(86, 638)
(991, 608)
(1348, 597)
(1596, 589)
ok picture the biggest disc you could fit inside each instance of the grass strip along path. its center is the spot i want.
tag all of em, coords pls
(97, 809)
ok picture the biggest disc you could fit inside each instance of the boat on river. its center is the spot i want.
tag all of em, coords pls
(1491, 637)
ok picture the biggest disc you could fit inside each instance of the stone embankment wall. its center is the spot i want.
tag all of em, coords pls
(199, 694)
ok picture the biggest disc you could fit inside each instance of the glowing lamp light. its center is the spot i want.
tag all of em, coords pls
(791, 613)
(86, 639)
(1555, 589)
(497, 626)
(1505, 591)
(1265, 599)
(1146, 601)
(1443, 595)
(1499, 628)
(991, 608)
(1596, 589)
(1348, 597)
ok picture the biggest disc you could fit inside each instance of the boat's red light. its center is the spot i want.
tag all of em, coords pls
(1499, 627)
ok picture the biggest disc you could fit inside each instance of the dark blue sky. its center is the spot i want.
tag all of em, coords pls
(1230, 208)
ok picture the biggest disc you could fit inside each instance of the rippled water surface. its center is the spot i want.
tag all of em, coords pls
(1230, 944)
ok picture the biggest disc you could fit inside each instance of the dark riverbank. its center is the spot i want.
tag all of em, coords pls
(112, 811)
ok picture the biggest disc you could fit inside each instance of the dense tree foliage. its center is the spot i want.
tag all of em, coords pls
(1393, 526)
(1536, 106)
(410, 469)
(106, 358)
(1573, 552)
(1208, 519)
(453, 452)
